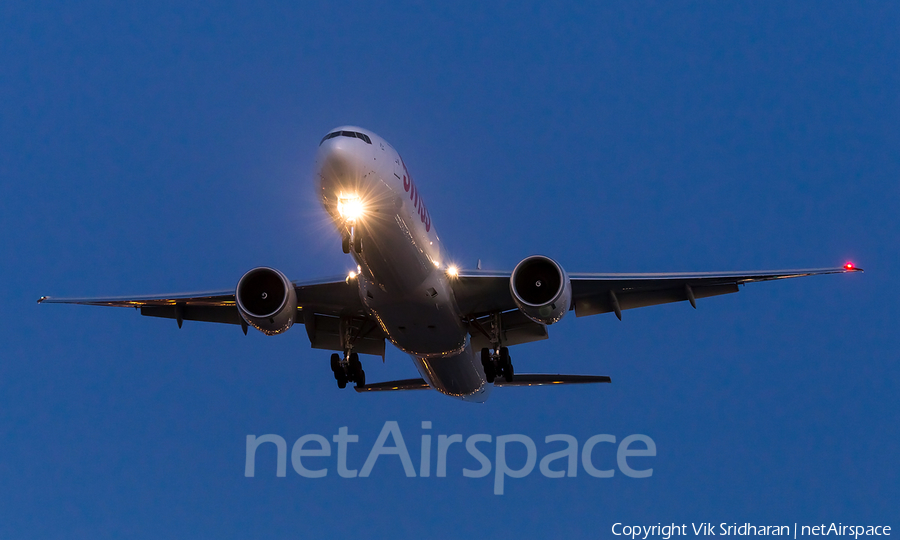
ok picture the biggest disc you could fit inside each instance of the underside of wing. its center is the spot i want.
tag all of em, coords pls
(330, 310)
(613, 293)
(210, 306)
(210, 298)
(479, 293)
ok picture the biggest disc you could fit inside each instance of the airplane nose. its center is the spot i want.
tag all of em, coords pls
(341, 159)
(343, 165)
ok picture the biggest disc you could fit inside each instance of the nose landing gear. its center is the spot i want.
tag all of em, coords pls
(349, 237)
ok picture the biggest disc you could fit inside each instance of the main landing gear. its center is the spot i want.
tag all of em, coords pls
(351, 237)
(497, 364)
(347, 370)
(495, 360)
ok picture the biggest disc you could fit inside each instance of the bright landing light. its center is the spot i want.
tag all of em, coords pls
(350, 209)
(452, 271)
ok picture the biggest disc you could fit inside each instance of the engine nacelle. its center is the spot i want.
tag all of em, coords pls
(266, 299)
(541, 289)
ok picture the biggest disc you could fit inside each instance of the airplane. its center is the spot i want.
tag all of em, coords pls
(456, 325)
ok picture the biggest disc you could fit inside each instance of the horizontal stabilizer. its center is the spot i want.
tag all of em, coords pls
(524, 379)
(538, 379)
(405, 384)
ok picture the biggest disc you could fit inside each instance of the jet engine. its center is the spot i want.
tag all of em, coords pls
(266, 300)
(541, 289)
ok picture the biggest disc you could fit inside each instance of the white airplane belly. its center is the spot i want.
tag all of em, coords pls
(402, 277)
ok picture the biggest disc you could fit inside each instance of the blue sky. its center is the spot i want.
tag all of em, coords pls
(166, 148)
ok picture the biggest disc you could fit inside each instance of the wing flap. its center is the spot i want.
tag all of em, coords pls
(325, 332)
(516, 329)
(597, 302)
(192, 312)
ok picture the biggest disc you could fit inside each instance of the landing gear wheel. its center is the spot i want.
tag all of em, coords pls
(508, 373)
(335, 363)
(357, 241)
(338, 370)
(505, 364)
(354, 368)
(490, 373)
(345, 242)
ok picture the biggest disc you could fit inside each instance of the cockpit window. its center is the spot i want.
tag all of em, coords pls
(351, 134)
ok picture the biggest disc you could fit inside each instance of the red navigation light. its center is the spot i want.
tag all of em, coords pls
(849, 266)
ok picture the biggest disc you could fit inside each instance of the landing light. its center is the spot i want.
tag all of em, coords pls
(350, 208)
(452, 271)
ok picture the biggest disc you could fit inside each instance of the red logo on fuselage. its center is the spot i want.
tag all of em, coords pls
(410, 187)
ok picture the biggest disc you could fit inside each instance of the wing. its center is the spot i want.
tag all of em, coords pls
(480, 293)
(322, 305)
(605, 293)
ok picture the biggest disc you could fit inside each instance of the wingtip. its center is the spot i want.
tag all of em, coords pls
(41, 299)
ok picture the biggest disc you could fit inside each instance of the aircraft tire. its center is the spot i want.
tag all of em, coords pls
(504, 357)
(335, 363)
(489, 372)
(354, 369)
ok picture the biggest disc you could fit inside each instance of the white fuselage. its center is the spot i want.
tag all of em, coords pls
(403, 279)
